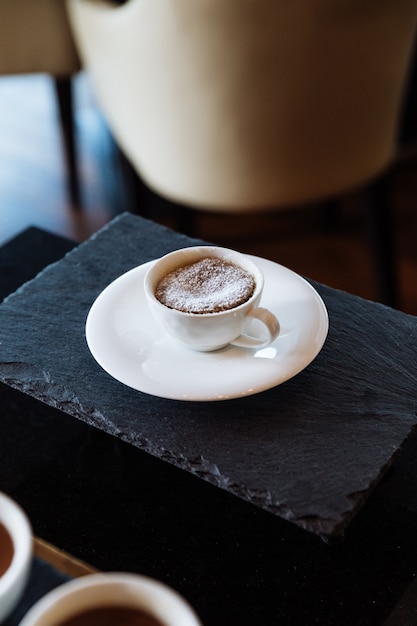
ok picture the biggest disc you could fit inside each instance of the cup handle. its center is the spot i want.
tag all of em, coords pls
(269, 322)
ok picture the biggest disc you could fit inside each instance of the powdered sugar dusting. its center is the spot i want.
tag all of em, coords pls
(209, 285)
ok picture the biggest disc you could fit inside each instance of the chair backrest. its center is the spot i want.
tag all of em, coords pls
(241, 104)
(35, 36)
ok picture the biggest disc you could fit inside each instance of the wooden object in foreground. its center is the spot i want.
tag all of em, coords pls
(62, 561)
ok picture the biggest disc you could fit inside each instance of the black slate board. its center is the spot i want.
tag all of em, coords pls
(405, 612)
(26, 254)
(309, 451)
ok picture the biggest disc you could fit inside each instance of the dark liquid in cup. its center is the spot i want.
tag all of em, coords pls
(6, 549)
(112, 616)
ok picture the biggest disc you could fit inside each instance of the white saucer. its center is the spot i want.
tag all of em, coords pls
(128, 344)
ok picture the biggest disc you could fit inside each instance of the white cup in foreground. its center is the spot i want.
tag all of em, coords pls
(15, 554)
(87, 600)
(206, 329)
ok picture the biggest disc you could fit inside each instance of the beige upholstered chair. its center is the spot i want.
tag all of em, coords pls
(35, 37)
(240, 105)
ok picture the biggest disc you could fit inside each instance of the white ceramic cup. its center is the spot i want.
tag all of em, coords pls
(14, 579)
(107, 590)
(210, 331)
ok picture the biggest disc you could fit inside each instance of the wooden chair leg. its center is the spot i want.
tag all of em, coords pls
(141, 200)
(381, 229)
(134, 196)
(64, 94)
(331, 214)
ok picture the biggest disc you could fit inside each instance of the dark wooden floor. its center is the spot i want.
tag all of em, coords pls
(33, 192)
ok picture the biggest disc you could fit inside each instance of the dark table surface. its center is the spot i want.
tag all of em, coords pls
(237, 559)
